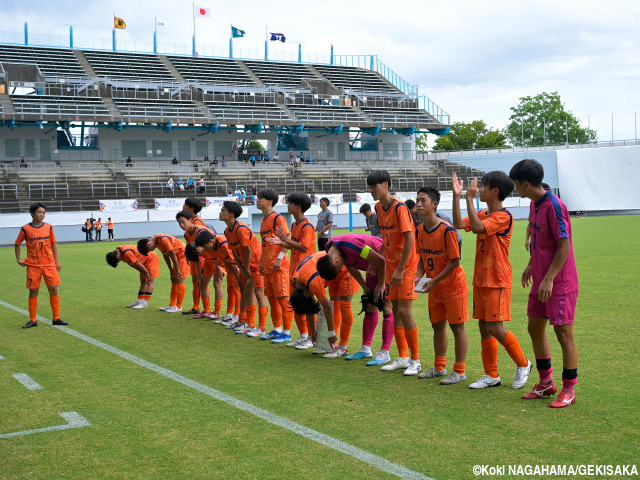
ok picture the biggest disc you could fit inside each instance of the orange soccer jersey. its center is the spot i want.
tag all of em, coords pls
(39, 240)
(166, 243)
(394, 221)
(437, 248)
(151, 262)
(197, 220)
(240, 236)
(492, 267)
(307, 274)
(270, 251)
(304, 233)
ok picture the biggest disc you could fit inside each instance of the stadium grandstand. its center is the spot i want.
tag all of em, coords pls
(76, 115)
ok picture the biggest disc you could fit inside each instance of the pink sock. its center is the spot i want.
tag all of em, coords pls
(545, 375)
(369, 327)
(567, 385)
(387, 331)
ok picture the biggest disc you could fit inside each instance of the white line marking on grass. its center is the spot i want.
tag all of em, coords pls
(74, 420)
(321, 438)
(27, 381)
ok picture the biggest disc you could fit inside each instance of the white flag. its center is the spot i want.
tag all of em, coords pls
(201, 12)
(160, 23)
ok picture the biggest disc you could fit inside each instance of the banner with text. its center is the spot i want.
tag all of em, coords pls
(169, 203)
(113, 206)
(213, 205)
(334, 198)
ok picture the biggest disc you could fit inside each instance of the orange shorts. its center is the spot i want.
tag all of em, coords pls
(231, 281)
(492, 304)
(277, 283)
(344, 285)
(455, 310)
(152, 264)
(405, 291)
(183, 266)
(35, 273)
(258, 280)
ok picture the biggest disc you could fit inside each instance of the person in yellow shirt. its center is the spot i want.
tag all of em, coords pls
(99, 230)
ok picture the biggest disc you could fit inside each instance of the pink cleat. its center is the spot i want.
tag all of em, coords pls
(540, 391)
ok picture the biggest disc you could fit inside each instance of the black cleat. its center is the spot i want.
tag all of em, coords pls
(30, 324)
(193, 311)
(59, 322)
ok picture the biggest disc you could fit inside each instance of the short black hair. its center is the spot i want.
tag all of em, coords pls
(36, 206)
(112, 259)
(365, 208)
(409, 203)
(233, 207)
(142, 246)
(191, 252)
(184, 214)
(326, 269)
(203, 238)
(269, 194)
(546, 186)
(325, 200)
(194, 204)
(302, 304)
(527, 170)
(301, 199)
(431, 192)
(501, 180)
(379, 176)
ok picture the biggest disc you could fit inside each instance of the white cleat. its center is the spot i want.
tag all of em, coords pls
(164, 309)
(305, 344)
(131, 305)
(142, 304)
(297, 341)
(453, 378)
(433, 372)
(413, 368)
(226, 318)
(174, 309)
(485, 381)
(521, 376)
(336, 352)
(397, 364)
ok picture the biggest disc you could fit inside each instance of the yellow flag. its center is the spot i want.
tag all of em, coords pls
(119, 23)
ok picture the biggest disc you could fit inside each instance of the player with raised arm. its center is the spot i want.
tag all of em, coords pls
(42, 261)
(493, 227)
(148, 266)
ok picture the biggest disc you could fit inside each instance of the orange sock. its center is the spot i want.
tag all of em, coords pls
(174, 294)
(459, 367)
(301, 323)
(195, 294)
(55, 306)
(401, 342)
(440, 363)
(337, 316)
(236, 310)
(206, 304)
(251, 315)
(276, 312)
(347, 323)
(147, 296)
(33, 308)
(231, 301)
(412, 341)
(512, 346)
(217, 307)
(242, 318)
(490, 357)
(262, 318)
(287, 313)
(140, 296)
(181, 291)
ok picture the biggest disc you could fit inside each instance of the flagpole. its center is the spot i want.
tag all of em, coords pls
(231, 42)
(114, 31)
(266, 43)
(193, 12)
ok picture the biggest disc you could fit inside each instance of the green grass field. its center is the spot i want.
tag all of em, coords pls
(147, 426)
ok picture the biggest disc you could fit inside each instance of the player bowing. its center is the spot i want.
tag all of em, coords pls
(148, 266)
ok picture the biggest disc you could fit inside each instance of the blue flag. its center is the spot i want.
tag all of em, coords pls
(275, 37)
(236, 32)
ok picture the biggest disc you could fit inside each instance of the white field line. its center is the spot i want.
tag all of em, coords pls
(371, 459)
(74, 420)
(27, 381)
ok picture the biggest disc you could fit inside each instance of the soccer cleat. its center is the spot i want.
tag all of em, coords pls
(256, 332)
(131, 305)
(485, 381)
(381, 358)
(269, 336)
(433, 372)
(199, 315)
(336, 352)
(282, 338)
(192, 311)
(413, 368)
(453, 378)
(360, 354)
(140, 305)
(211, 316)
(30, 324)
(540, 391)
(242, 326)
(304, 344)
(228, 323)
(297, 341)
(226, 318)
(164, 309)
(232, 326)
(57, 321)
(521, 376)
(563, 400)
(241, 331)
(174, 309)
(397, 364)
(319, 351)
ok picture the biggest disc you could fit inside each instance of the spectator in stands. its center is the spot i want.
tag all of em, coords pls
(302, 157)
(292, 158)
(99, 230)
(254, 191)
(206, 159)
(23, 162)
(180, 184)
(170, 184)
(372, 220)
(190, 184)
(129, 162)
(411, 205)
(244, 196)
(325, 224)
(215, 162)
(298, 162)
(195, 165)
(201, 185)
(224, 161)
(276, 157)
(87, 231)
(174, 161)
(252, 159)
(266, 157)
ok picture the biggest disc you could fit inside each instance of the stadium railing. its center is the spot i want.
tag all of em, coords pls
(57, 189)
(110, 189)
(299, 183)
(412, 183)
(9, 190)
(340, 184)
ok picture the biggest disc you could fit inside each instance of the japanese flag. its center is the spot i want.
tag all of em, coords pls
(201, 12)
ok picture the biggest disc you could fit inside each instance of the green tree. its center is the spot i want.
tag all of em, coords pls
(467, 136)
(543, 120)
(421, 143)
(254, 146)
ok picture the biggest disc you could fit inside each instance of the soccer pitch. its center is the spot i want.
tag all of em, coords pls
(165, 396)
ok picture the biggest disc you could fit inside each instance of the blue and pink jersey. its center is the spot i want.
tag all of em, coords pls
(549, 222)
(351, 246)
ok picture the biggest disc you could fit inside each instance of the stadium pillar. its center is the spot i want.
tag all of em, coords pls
(299, 53)
(371, 63)
(230, 47)
(350, 217)
(194, 45)
(113, 38)
(26, 34)
(331, 55)
(70, 36)
(266, 50)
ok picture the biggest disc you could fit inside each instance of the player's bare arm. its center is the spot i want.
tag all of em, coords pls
(477, 226)
(54, 250)
(546, 286)
(456, 186)
(328, 314)
(396, 278)
(20, 262)
(446, 271)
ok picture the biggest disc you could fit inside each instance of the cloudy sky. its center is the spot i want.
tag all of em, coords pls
(475, 59)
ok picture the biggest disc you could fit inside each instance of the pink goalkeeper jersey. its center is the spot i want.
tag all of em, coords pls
(549, 222)
(351, 246)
